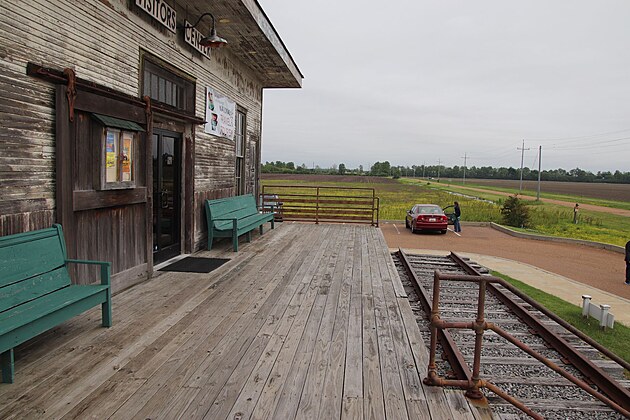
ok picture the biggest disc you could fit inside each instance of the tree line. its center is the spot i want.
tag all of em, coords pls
(441, 171)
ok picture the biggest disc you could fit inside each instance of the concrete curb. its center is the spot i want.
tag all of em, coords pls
(592, 244)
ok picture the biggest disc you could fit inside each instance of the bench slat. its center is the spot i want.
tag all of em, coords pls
(241, 223)
(17, 252)
(32, 288)
(43, 307)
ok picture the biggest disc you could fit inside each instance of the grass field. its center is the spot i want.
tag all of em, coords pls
(607, 195)
(397, 196)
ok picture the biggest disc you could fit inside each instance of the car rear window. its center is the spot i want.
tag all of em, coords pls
(429, 210)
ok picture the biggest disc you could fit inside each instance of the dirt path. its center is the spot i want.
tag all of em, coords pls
(592, 207)
(598, 268)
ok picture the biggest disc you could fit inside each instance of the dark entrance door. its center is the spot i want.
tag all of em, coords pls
(166, 195)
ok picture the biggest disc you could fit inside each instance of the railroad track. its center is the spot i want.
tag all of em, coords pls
(504, 367)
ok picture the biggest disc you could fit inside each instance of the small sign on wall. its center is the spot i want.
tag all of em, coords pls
(193, 37)
(161, 12)
(220, 114)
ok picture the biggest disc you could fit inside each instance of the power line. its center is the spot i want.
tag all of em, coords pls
(582, 137)
(596, 145)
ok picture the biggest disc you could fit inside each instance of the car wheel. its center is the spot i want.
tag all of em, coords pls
(406, 223)
(443, 231)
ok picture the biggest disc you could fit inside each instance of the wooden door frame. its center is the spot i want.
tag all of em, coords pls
(186, 187)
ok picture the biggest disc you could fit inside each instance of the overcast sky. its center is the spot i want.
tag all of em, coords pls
(422, 82)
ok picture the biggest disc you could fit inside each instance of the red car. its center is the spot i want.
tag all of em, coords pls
(426, 216)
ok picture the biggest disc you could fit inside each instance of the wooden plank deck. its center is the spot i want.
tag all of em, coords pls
(307, 321)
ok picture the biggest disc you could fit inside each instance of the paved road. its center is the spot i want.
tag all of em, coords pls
(598, 268)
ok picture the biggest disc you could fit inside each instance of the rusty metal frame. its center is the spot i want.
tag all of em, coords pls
(596, 375)
(479, 325)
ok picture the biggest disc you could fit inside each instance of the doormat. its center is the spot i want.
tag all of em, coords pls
(195, 265)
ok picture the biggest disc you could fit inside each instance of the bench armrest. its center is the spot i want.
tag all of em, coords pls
(233, 219)
(105, 269)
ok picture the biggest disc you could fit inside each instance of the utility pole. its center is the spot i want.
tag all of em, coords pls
(439, 162)
(539, 157)
(522, 149)
(423, 169)
(464, 168)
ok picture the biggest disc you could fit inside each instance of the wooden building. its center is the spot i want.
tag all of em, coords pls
(117, 123)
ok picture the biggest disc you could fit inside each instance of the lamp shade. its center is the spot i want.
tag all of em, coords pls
(213, 40)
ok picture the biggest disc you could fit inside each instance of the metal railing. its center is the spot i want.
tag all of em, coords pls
(322, 203)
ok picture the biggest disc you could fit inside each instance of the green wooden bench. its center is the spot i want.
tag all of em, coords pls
(233, 216)
(36, 293)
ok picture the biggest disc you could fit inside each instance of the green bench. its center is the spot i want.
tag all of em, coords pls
(36, 293)
(233, 216)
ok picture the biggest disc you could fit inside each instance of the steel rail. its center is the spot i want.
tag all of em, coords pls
(618, 394)
(455, 358)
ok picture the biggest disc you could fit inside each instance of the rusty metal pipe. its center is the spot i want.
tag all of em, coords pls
(474, 278)
(478, 326)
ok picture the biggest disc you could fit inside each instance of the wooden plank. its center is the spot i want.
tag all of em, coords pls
(221, 389)
(320, 285)
(352, 408)
(458, 404)
(373, 404)
(89, 200)
(317, 375)
(438, 403)
(353, 377)
(394, 398)
(164, 383)
(409, 372)
(393, 278)
(229, 392)
(293, 321)
(332, 397)
(160, 365)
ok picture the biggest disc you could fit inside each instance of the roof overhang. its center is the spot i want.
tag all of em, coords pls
(252, 38)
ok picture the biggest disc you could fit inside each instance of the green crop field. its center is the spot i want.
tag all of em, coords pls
(397, 196)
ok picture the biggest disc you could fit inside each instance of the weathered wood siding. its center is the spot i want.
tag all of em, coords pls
(102, 41)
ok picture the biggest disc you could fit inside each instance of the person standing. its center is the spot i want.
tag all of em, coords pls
(458, 213)
(575, 213)
(628, 262)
